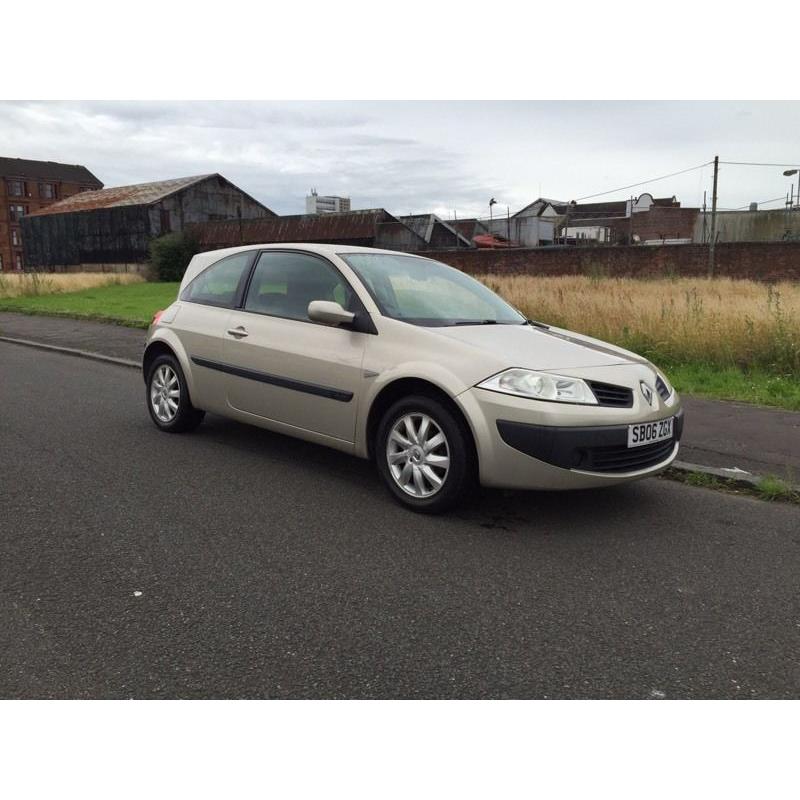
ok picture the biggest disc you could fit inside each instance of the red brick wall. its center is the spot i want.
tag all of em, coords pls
(660, 222)
(767, 261)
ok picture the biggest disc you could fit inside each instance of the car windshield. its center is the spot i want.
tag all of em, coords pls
(425, 292)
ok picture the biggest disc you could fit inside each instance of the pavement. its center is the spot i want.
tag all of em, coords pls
(233, 562)
(735, 436)
(116, 341)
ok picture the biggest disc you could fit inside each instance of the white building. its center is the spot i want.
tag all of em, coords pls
(325, 204)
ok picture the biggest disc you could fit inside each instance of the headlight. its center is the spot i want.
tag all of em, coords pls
(540, 386)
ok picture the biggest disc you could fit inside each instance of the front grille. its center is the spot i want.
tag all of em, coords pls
(620, 458)
(661, 388)
(609, 395)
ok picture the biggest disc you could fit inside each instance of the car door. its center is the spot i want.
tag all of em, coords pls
(284, 367)
(202, 319)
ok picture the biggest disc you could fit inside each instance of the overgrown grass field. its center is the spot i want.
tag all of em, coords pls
(732, 339)
(33, 284)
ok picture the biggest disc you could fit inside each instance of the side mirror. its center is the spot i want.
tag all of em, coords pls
(329, 312)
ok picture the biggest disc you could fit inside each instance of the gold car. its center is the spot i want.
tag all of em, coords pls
(409, 362)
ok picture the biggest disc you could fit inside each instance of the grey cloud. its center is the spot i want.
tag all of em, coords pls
(409, 156)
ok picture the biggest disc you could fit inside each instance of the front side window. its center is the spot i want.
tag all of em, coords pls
(219, 284)
(425, 292)
(283, 284)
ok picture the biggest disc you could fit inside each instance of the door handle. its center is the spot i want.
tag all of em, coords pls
(239, 332)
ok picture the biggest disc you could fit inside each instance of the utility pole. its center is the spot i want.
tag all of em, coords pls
(713, 241)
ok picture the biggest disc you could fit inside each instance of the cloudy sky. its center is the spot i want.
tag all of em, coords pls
(407, 157)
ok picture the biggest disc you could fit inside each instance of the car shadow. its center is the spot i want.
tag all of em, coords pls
(495, 510)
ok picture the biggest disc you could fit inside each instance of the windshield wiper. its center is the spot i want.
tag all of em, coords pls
(477, 322)
(537, 324)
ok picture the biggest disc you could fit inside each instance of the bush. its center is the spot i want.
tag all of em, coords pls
(171, 254)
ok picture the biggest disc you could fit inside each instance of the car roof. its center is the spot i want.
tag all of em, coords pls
(313, 247)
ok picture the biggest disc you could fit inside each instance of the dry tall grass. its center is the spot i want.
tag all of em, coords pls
(715, 321)
(31, 284)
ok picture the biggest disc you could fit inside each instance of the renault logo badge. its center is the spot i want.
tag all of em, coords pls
(647, 392)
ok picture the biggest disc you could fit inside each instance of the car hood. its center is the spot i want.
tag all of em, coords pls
(539, 348)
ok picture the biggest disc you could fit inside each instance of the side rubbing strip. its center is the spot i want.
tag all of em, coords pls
(276, 380)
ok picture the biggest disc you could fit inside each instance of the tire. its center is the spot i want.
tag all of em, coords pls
(419, 465)
(184, 417)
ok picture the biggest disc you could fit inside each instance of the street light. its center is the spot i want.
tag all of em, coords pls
(788, 173)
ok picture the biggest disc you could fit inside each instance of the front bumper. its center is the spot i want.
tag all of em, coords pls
(525, 444)
(594, 449)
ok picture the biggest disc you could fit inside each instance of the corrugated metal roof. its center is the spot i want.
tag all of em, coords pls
(423, 225)
(140, 194)
(469, 227)
(47, 171)
(336, 227)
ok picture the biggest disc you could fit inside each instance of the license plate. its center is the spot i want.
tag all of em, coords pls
(650, 432)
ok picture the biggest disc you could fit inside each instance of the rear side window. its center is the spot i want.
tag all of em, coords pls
(283, 284)
(219, 284)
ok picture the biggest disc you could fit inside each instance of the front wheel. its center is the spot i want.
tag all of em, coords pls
(424, 454)
(168, 397)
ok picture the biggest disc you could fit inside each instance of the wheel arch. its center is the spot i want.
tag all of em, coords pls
(166, 342)
(152, 352)
(403, 387)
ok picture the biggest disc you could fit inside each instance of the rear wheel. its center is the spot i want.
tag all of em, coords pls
(423, 454)
(168, 397)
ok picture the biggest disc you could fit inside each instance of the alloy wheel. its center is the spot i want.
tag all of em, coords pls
(165, 393)
(418, 455)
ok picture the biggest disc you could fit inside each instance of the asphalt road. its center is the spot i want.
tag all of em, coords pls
(237, 563)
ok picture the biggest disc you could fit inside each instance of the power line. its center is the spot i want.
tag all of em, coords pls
(757, 202)
(762, 202)
(759, 164)
(643, 183)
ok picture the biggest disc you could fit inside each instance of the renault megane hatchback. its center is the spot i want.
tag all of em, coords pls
(409, 362)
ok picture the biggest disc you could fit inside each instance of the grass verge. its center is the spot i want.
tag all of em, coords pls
(770, 488)
(756, 386)
(133, 304)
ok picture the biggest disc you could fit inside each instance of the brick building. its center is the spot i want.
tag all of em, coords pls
(28, 186)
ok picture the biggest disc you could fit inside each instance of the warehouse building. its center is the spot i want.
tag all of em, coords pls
(371, 227)
(111, 229)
